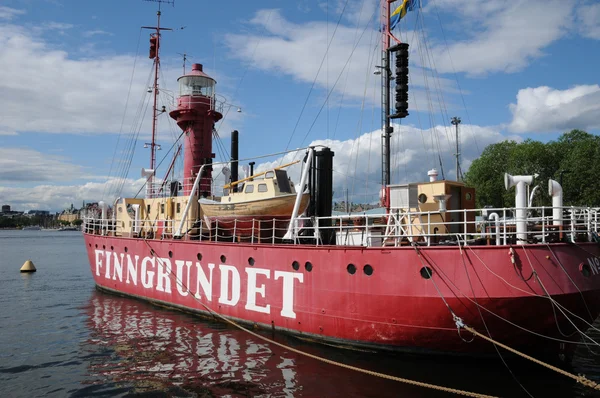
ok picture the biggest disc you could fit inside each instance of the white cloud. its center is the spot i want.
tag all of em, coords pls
(297, 50)
(544, 109)
(28, 165)
(589, 20)
(357, 12)
(501, 36)
(76, 95)
(8, 132)
(68, 95)
(7, 13)
(357, 167)
(357, 162)
(58, 197)
(97, 32)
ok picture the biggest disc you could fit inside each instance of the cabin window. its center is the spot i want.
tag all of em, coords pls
(269, 174)
(262, 188)
(249, 188)
(178, 207)
(422, 198)
(148, 209)
(162, 208)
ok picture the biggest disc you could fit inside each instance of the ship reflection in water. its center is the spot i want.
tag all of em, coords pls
(138, 348)
(160, 350)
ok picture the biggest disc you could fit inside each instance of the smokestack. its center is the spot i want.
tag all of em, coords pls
(234, 157)
(252, 168)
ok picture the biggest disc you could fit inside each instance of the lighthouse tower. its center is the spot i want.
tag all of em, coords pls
(196, 116)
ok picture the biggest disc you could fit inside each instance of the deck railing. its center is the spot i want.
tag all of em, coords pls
(397, 228)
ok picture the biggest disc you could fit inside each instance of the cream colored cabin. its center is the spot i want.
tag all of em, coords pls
(424, 198)
(150, 217)
(273, 183)
(160, 217)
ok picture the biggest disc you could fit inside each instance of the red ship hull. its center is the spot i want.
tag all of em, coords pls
(387, 303)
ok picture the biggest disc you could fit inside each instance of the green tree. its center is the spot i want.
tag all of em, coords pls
(574, 156)
(485, 173)
(579, 161)
(77, 222)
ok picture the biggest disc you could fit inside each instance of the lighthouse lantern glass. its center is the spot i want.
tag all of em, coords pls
(196, 86)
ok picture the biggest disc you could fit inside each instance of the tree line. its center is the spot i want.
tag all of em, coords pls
(44, 221)
(574, 157)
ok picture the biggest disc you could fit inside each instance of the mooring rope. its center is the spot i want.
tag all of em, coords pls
(325, 360)
(582, 379)
(579, 378)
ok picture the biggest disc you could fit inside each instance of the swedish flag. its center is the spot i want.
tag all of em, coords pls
(400, 12)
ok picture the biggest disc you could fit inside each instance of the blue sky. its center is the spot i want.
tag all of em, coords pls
(524, 69)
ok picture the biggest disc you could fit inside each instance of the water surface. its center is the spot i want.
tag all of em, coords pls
(60, 337)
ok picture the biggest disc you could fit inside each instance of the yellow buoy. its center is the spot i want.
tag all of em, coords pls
(28, 267)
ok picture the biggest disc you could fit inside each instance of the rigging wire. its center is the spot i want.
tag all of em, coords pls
(440, 94)
(247, 67)
(315, 79)
(130, 144)
(462, 255)
(356, 141)
(124, 112)
(421, 49)
(336, 82)
(456, 77)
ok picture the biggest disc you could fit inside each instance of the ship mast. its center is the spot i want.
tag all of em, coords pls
(154, 54)
(400, 51)
(385, 93)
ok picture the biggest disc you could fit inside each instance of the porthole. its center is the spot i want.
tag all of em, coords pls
(426, 272)
(422, 198)
(585, 269)
(170, 254)
(126, 249)
(468, 196)
(112, 248)
(199, 257)
(104, 247)
(368, 270)
(89, 244)
(223, 259)
(250, 261)
(296, 265)
(351, 269)
(308, 266)
(96, 245)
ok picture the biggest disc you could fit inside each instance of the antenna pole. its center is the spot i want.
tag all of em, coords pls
(455, 122)
(385, 94)
(154, 115)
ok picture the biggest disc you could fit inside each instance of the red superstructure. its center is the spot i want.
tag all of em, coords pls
(529, 277)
